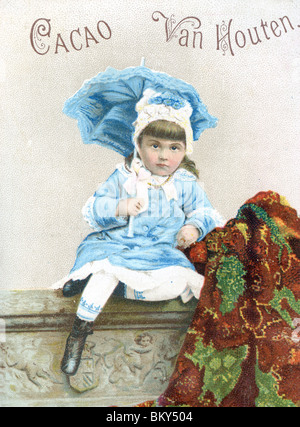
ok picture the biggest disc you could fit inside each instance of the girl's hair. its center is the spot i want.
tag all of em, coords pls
(165, 129)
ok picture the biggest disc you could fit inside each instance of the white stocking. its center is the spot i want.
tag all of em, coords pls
(96, 294)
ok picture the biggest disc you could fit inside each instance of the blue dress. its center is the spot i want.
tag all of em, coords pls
(153, 245)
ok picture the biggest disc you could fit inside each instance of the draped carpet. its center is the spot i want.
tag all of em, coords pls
(242, 348)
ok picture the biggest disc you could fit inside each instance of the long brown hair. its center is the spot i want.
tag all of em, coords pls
(165, 129)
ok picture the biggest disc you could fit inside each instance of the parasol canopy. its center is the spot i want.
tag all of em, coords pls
(105, 105)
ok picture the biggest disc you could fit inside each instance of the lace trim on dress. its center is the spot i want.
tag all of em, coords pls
(88, 215)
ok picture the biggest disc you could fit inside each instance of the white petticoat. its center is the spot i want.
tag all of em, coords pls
(152, 285)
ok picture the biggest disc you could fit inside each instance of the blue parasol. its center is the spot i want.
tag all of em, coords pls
(105, 105)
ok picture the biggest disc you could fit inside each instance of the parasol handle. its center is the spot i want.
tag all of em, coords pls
(131, 218)
(130, 226)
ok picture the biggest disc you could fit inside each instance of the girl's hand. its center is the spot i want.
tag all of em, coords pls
(188, 235)
(130, 207)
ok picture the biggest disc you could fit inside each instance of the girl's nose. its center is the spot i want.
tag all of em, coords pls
(163, 155)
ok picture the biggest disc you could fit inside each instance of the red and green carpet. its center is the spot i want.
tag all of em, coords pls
(242, 348)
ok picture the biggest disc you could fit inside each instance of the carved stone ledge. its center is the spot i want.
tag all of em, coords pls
(128, 359)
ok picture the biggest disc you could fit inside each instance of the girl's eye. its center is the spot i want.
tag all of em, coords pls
(155, 146)
(174, 148)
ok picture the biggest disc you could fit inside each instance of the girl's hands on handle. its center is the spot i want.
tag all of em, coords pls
(188, 235)
(130, 207)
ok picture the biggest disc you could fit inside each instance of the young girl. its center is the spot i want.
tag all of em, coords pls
(147, 210)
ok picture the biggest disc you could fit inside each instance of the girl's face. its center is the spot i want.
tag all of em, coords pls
(161, 157)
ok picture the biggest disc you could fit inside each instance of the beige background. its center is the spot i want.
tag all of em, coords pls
(46, 172)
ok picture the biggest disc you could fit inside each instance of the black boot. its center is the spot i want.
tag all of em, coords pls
(75, 287)
(75, 345)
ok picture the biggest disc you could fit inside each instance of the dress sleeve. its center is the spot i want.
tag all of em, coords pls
(199, 211)
(100, 209)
